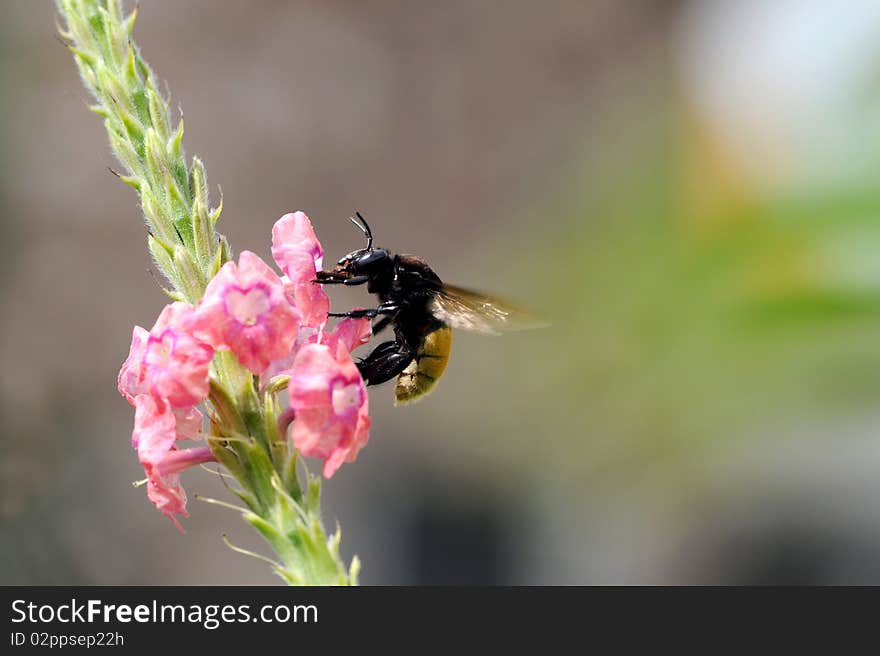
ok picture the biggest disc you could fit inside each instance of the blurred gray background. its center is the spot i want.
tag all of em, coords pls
(689, 191)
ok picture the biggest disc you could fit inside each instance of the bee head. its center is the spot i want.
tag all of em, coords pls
(359, 266)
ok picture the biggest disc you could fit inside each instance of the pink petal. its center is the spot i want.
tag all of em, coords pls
(295, 247)
(245, 309)
(329, 400)
(350, 332)
(311, 299)
(189, 423)
(168, 362)
(175, 316)
(299, 254)
(156, 429)
(130, 381)
(169, 497)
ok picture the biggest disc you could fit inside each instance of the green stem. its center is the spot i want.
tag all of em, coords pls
(174, 196)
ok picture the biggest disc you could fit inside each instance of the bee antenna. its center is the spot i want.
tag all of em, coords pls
(364, 228)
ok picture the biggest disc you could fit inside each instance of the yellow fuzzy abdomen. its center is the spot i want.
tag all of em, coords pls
(420, 377)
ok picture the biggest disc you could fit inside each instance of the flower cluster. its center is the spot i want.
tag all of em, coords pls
(275, 327)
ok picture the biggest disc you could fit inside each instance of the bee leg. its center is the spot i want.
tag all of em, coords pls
(356, 314)
(385, 309)
(385, 362)
(357, 280)
(381, 324)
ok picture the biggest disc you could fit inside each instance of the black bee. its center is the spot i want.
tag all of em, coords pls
(422, 310)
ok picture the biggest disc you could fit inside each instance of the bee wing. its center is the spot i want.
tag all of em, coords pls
(477, 312)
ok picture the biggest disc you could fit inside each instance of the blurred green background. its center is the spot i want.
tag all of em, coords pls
(689, 191)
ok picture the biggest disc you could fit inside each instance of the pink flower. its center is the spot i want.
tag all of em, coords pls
(299, 254)
(245, 310)
(329, 398)
(167, 362)
(157, 427)
(351, 333)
